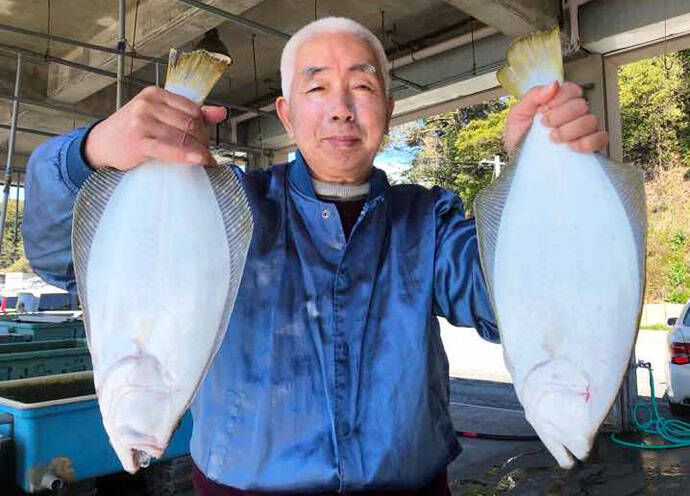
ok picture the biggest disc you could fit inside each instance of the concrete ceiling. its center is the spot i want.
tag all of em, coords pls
(162, 24)
(430, 41)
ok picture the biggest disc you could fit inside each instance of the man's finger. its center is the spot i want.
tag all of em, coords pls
(535, 98)
(567, 91)
(591, 143)
(214, 114)
(183, 151)
(580, 127)
(179, 102)
(172, 117)
(569, 111)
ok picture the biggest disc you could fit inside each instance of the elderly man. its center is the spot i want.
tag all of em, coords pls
(332, 376)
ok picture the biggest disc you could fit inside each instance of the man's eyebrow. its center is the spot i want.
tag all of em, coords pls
(311, 70)
(364, 68)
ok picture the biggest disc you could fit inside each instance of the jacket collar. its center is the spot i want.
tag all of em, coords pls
(298, 175)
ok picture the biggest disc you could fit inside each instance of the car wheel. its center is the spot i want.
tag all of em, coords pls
(679, 410)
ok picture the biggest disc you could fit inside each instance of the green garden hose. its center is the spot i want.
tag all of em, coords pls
(669, 433)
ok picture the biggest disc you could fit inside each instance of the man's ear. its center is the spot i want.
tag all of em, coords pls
(283, 111)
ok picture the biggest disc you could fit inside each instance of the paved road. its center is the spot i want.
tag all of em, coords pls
(471, 357)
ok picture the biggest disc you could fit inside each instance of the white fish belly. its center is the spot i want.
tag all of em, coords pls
(157, 282)
(567, 292)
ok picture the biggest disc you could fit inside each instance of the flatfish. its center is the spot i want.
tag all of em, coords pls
(562, 241)
(159, 253)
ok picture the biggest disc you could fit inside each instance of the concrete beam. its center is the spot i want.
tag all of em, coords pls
(450, 77)
(161, 24)
(512, 17)
(615, 25)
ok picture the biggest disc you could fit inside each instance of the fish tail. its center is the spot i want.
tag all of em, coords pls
(193, 74)
(532, 61)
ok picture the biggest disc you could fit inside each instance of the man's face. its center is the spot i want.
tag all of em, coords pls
(338, 111)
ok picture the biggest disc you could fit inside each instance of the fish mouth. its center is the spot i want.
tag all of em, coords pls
(135, 449)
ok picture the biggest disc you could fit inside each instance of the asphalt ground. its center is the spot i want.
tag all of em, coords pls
(482, 399)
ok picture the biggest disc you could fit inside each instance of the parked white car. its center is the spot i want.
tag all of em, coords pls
(678, 363)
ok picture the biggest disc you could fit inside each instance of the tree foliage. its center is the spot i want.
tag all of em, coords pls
(454, 147)
(654, 97)
(12, 258)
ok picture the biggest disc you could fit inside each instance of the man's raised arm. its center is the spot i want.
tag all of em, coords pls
(154, 124)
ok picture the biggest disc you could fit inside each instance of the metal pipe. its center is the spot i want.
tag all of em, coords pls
(410, 84)
(52, 106)
(10, 149)
(16, 209)
(121, 45)
(83, 44)
(133, 81)
(410, 58)
(29, 130)
(260, 28)
(223, 145)
(253, 26)
(40, 57)
(51, 482)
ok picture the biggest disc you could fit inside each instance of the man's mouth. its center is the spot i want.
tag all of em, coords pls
(342, 141)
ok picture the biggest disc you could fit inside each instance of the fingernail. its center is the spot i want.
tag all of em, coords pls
(545, 120)
(553, 135)
(195, 158)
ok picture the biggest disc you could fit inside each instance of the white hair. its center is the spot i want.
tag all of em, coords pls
(329, 25)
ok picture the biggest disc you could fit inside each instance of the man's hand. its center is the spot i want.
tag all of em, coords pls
(154, 124)
(563, 109)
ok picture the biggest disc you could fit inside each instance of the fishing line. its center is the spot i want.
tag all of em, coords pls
(675, 433)
(134, 37)
(256, 92)
(666, 66)
(48, 41)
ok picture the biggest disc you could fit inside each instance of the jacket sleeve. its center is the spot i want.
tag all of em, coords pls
(55, 171)
(460, 292)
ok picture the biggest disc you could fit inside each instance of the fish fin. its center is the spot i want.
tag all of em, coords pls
(93, 197)
(488, 210)
(628, 181)
(555, 447)
(532, 61)
(193, 74)
(239, 227)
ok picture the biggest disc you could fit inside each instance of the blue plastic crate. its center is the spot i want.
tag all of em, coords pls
(57, 428)
(36, 358)
(43, 326)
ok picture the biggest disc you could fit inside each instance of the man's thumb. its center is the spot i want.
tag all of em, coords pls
(213, 114)
(538, 96)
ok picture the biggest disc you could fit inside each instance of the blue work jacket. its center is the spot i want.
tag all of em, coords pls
(332, 375)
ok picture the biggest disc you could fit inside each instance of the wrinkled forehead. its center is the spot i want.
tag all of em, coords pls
(337, 49)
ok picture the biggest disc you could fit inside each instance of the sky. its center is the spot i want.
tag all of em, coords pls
(395, 160)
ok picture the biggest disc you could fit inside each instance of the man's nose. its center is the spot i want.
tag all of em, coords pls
(343, 108)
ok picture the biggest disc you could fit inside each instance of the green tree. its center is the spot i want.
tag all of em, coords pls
(453, 145)
(12, 257)
(653, 95)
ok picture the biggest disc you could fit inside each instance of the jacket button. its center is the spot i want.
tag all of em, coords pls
(325, 213)
(345, 428)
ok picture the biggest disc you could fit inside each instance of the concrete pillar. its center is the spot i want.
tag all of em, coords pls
(259, 161)
(589, 72)
(601, 91)
(280, 156)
